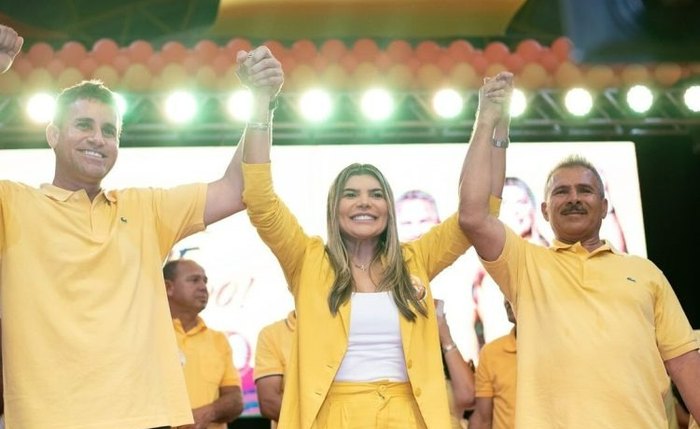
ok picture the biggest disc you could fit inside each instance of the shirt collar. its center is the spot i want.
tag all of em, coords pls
(60, 194)
(200, 326)
(605, 247)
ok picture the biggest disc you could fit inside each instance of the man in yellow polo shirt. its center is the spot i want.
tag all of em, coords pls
(271, 358)
(213, 383)
(599, 331)
(87, 336)
(495, 382)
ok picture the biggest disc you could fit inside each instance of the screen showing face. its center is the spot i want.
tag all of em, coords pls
(247, 288)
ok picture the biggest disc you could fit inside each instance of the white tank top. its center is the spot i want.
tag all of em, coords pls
(374, 347)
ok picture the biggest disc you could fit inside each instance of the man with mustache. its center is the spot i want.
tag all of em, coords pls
(598, 330)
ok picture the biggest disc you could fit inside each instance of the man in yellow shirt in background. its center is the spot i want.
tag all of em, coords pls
(213, 383)
(271, 357)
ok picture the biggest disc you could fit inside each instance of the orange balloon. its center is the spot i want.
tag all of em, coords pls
(365, 50)
(600, 77)
(276, 48)
(445, 62)
(480, 63)
(121, 62)
(191, 64)
(206, 50)
(633, 74)
(140, 51)
(87, 66)
(304, 51)
(562, 48)
(72, 53)
(22, 65)
(668, 74)
(428, 52)
(568, 75)
(237, 44)
(495, 68)
(549, 60)
(107, 74)
(496, 52)
(430, 76)
(104, 50)
(319, 63)
(221, 63)
(137, 78)
(333, 49)
(514, 63)
(349, 62)
(383, 61)
(173, 52)
(461, 50)
(156, 63)
(69, 77)
(529, 50)
(399, 51)
(55, 67)
(400, 76)
(335, 77)
(533, 76)
(40, 54)
(463, 76)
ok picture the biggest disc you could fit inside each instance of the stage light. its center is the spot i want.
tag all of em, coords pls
(691, 97)
(518, 103)
(239, 105)
(640, 98)
(377, 104)
(40, 108)
(180, 107)
(315, 105)
(578, 101)
(447, 103)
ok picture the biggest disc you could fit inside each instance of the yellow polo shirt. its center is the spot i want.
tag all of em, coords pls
(87, 334)
(322, 338)
(207, 362)
(495, 378)
(593, 332)
(273, 347)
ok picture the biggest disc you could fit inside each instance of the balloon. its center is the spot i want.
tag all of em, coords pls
(104, 50)
(107, 74)
(430, 76)
(568, 75)
(303, 77)
(87, 66)
(399, 51)
(365, 75)
(173, 75)
(463, 76)
(549, 60)
(428, 52)
(495, 68)
(383, 61)
(206, 78)
(121, 62)
(349, 62)
(365, 50)
(600, 77)
(667, 74)
(221, 63)
(206, 50)
(562, 48)
(69, 77)
(333, 49)
(22, 65)
(156, 63)
(39, 79)
(335, 77)
(40, 54)
(140, 51)
(496, 52)
(445, 62)
(173, 52)
(237, 44)
(633, 74)
(304, 51)
(10, 83)
(137, 78)
(400, 76)
(533, 76)
(480, 63)
(276, 48)
(72, 53)
(461, 50)
(514, 63)
(529, 50)
(55, 67)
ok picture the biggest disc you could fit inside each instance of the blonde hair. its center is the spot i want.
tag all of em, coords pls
(396, 278)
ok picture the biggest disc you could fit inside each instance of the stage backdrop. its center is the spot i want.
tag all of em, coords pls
(247, 289)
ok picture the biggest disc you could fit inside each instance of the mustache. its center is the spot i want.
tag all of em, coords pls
(574, 208)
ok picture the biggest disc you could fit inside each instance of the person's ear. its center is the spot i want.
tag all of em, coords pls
(168, 288)
(543, 207)
(52, 135)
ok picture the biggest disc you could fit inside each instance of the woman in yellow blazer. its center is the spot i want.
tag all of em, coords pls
(367, 353)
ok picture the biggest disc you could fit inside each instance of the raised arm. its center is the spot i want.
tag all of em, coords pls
(10, 45)
(483, 171)
(262, 74)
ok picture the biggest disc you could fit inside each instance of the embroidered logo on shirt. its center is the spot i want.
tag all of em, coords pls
(631, 279)
(123, 219)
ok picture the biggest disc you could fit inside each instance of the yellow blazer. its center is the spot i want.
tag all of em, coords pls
(322, 339)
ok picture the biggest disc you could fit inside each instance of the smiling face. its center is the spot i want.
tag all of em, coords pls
(415, 216)
(362, 208)
(575, 205)
(85, 143)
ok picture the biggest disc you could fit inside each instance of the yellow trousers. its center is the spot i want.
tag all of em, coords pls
(376, 405)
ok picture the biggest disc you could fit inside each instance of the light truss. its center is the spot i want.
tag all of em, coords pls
(545, 120)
